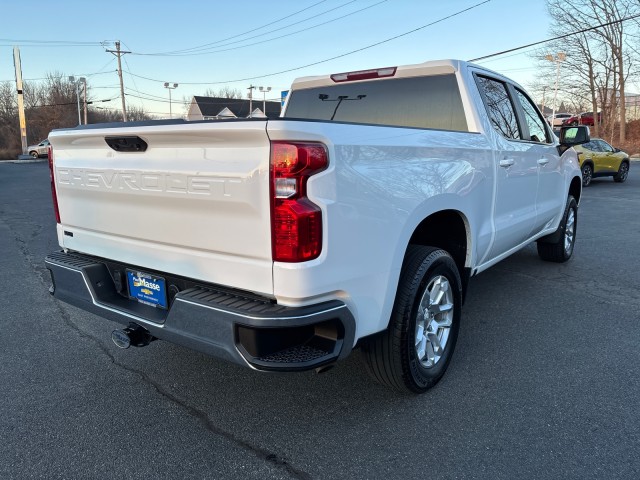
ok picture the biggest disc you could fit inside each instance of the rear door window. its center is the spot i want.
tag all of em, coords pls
(501, 112)
(420, 102)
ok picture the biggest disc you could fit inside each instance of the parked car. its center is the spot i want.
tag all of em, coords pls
(584, 118)
(599, 159)
(558, 119)
(39, 150)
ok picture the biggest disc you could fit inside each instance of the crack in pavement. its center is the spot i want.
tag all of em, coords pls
(261, 453)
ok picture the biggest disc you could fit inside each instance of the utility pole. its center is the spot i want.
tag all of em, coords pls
(118, 53)
(23, 122)
(84, 81)
(251, 88)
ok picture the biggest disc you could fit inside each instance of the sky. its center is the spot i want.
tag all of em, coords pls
(215, 44)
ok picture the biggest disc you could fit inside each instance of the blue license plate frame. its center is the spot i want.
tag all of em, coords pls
(147, 288)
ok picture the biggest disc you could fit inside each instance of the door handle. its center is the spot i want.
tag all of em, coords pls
(543, 161)
(507, 162)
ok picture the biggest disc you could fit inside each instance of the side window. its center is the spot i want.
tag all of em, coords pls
(537, 132)
(604, 146)
(594, 146)
(499, 107)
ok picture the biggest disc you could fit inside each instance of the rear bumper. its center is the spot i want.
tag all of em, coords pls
(243, 329)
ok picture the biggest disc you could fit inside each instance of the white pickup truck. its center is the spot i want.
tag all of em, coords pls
(355, 219)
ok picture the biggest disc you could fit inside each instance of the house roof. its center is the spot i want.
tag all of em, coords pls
(211, 106)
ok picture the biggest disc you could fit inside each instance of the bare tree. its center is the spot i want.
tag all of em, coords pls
(598, 62)
(49, 104)
(223, 92)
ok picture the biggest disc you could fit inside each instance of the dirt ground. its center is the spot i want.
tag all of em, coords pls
(632, 144)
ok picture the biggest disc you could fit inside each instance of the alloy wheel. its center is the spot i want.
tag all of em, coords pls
(433, 322)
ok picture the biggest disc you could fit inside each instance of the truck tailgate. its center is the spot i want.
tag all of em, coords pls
(195, 203)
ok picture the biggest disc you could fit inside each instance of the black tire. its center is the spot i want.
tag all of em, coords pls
(558, 247)
(34, 154)
(623, 172)
(404, 356)
(574, 124)
(587, 174)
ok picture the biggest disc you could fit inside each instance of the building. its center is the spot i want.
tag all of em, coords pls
(214, 108)
(632, 102)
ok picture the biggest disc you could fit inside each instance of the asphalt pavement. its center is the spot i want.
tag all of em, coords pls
(544, 383)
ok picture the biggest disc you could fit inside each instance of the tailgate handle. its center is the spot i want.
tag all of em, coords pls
(126, 144)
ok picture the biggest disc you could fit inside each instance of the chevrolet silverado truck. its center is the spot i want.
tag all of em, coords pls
(354, 220)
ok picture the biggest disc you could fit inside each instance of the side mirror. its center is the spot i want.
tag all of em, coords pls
(570, 136)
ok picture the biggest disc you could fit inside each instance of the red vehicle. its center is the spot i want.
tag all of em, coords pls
(584, 118)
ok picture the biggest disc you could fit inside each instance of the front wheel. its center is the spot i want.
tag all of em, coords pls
(415, 350)
(623, 173)
(33, 154)
(558, 247)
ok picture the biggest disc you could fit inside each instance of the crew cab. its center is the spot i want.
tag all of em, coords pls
(354, 220)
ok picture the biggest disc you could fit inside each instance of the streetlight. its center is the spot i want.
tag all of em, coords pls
(72, 79)
(558, 59)
(170, 86)
(264, 91)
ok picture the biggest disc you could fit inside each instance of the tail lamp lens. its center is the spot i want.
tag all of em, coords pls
(296, 222)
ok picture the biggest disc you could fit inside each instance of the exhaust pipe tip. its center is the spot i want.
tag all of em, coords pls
(324, 368)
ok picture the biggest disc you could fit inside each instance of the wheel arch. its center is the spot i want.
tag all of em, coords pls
(587, 161)
(575, 188)
(450, 231)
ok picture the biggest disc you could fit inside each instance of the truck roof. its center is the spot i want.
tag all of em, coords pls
(434, 67)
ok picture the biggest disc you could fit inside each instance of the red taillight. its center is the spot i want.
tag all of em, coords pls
(296, 222)
(364, 74)
(53, 184)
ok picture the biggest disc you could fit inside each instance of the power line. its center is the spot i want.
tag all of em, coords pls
(278, 37)
(395, 37)
(155, 99)
(215, 49)
(59, 76)
(128, 67)
(239, 34)
(71, 103)
(49, 44)
(613, 22)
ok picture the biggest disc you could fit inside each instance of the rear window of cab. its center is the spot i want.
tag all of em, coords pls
(419, 102)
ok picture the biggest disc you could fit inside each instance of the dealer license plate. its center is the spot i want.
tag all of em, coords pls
(147, 289)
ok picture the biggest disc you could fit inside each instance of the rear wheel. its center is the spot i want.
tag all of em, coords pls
(587, 174)
(34, 154)
(558, 247)
(623, 172)
(415, 350)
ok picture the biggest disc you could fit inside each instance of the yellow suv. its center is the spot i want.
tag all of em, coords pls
(599, 159)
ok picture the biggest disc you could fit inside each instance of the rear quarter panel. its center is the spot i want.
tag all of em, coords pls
(381, 183)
